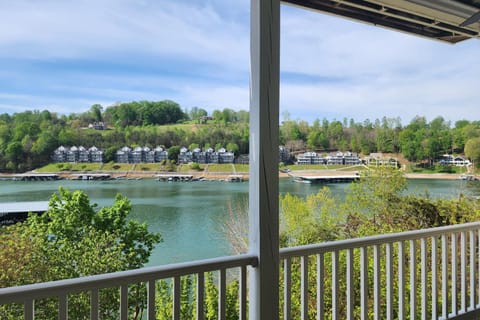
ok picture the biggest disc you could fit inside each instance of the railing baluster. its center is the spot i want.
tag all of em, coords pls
(472, 269)
(320, 287)
(335, 290)
(434, 278)
(124, 302)
(287, 279)
(201, 294)
(350, 284)
(222, 294)
(304, 287)
(389, 280)
(401, 280)
(243, 293)
(151, 300)
(29, 310)
(376, 282)
(463, 271)
(176, 298)
(363, 283)
(454, 274)
(94, 305)
(461, 288)
(413, 279)
(444, 276)
(478, 263)
(63, 307)
(423, 276)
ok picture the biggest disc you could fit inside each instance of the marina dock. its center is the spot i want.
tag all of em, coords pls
(174, 177)
(327, 178)
(36, 177)
(91, 176)
(12, 212)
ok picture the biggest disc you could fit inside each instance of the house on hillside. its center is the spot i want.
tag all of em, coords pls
(225, 156)
(95, 154)
(72, 154)
(450, 160)
(60, 154)
(212, 156)
(185, 156)
(310, 157)
(83, 155)
(123, 155)
(97, 125)
(160, 154)
(335, 158)
(351, 159)
(283, 154)
(379, 159)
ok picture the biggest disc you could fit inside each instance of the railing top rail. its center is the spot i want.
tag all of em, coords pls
(374, 240)
(115, 279)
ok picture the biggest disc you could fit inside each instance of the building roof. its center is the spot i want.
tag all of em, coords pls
(445, 20)
(23, 207)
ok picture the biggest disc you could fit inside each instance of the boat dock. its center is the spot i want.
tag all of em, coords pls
(91, 176)
(36, 177)
(327, 178)
(12, 212)
(235, 178)
(174, 177)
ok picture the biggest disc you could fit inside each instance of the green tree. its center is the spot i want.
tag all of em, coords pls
(74, 239)
(96, 112)
(173, 153)
(472, 150)
(232, 147)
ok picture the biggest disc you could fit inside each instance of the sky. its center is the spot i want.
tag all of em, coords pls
(65, 56)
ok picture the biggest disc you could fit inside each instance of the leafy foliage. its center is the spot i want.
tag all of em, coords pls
(73, 239)
(28, 139)
(375, 205)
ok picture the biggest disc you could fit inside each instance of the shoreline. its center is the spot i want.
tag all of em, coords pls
(197, 175)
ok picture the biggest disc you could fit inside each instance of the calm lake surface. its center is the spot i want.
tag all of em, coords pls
(189, 215)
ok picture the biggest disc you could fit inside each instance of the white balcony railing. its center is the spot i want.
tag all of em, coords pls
(60, 290)
(422, 274)
(432, 273)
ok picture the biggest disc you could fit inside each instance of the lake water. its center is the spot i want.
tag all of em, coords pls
(189, 215)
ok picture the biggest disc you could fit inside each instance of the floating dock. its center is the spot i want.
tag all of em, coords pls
(91, 176)
(234, 178)
(12, 212)
(36, 177)
(327, 179)
(174, 177)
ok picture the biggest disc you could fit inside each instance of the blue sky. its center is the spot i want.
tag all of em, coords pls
(65, 56)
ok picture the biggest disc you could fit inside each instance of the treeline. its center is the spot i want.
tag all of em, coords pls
(28, 139)
(417, 141)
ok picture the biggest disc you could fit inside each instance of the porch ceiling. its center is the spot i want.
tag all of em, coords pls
(445, 20)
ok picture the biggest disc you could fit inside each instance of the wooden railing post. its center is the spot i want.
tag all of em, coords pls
(263, 190)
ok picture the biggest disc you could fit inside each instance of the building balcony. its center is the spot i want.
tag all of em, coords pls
(432, 273)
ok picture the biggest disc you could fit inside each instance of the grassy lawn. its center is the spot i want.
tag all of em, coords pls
(190, 167)
(67, 166)
(220, 167)
(352, 168)
(412, 168)
(117, 166)
(146, 167)
(295, 167)
(242, 167)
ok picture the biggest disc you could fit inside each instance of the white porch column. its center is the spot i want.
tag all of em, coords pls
(263, 198)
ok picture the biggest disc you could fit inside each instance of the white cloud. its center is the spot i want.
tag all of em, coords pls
(370, 72)
(90, 28)
(197, 53)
